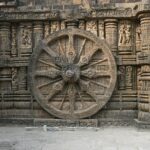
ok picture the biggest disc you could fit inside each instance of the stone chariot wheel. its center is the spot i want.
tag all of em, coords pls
(72, 74)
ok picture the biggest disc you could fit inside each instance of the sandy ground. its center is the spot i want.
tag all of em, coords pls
(108, 138)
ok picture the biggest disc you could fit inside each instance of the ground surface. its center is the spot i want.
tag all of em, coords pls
(110, 138)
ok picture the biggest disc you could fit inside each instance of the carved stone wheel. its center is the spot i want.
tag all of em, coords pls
(72, 74)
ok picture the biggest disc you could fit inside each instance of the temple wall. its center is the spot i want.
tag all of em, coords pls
(126, 32)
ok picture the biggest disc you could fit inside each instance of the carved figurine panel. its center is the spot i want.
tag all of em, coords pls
(126, 78)
(55, 26)
(73, 74)
(92, 26)
(25, 39)
(46, 29)
(26, 35)
(82, 24)
(125, 40)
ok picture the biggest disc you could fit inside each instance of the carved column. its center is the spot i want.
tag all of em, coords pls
(5, 39)
(111, 34)
(101, 29)
(22, 78)
(37, 32)
(14, 79)
(5, 51)
(144, 75)
(138, 38)
(46, 29)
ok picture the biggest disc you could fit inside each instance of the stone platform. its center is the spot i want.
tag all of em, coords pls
(106, 138)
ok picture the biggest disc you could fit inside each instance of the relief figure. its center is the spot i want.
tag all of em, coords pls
(26, 38)
(125, 35)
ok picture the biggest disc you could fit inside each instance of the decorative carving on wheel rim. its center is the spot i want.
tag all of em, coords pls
(72, 74)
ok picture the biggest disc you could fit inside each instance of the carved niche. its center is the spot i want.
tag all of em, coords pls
(72, 74)
(92, 26)
(125, 37)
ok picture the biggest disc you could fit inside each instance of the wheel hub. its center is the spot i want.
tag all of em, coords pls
(71, 73)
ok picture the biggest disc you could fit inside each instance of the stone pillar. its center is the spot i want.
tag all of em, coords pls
(14, 80)
(145, 28)
(5, 39)
(22, 78)
(111, 34)
(37, 32)
(144, 65)
(5, 52)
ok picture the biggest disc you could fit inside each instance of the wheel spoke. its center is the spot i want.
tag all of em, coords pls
(85, 86)
(71, 54)
(81, 49)
(49, 64)
(98, 62)
(50, 82)
(92, 73)
(56, 88)
(61, 48)
(81, 98)
(51, 73)
(84, 60)
(72, 97)
(63, 99)
(55, 57)
(99, 84)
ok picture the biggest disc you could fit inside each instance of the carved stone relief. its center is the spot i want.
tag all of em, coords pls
(37, 32)
(125, 37)
(111, 31)
(5, 39)
(101, 29)
(72, 80)
(25, 40)
(26, 37)
(14, 79)
(121, 77)
(138, 38)
(46, 29)
(22, 78)
(14, 41)
(63, 87)
(92, 26)
(63, 25)
(82, 24)
(129, 77)
(5, 82)
(55, 26)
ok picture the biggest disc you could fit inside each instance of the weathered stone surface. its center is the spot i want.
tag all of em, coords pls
(68, 123)
(112, 34)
